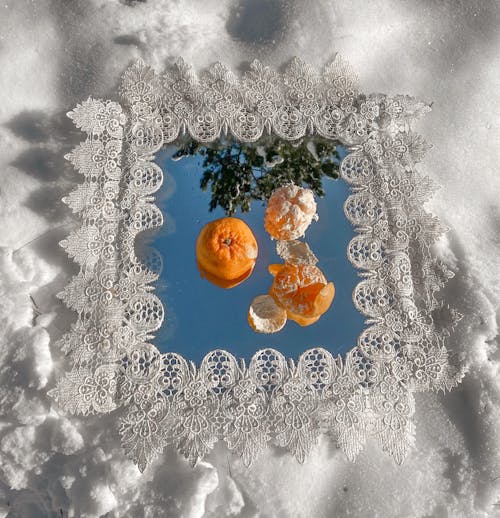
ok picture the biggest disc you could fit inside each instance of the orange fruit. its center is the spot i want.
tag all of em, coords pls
(302, 290)
(226, 251)
(290, 210)
(265, 316)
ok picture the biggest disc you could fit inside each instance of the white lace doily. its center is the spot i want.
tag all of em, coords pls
(165, 398)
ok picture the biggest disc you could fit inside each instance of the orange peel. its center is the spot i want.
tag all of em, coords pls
(265, 316)
(295, 252)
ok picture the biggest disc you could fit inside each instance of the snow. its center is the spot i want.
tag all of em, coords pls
(54, 54)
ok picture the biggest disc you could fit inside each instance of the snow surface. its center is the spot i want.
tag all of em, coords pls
(56, 53)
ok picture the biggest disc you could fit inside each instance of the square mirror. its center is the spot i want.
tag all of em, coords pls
(200, 315)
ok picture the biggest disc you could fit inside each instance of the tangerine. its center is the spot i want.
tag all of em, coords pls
(290, 210)
(302, 290)
(226, 251)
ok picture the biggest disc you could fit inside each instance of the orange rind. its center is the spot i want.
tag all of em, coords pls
(265, 316)
(295, 252)
(302, 321)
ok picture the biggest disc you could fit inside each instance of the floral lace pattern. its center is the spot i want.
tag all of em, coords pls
(167, 399)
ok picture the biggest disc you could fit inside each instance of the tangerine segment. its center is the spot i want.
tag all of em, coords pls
(301, 289)
(265, 316)
(226, 251)
(290, 210)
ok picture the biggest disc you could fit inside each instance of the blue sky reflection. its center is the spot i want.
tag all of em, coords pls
(200, 317)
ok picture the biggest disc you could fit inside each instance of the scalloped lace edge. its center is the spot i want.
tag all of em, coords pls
(168, 400)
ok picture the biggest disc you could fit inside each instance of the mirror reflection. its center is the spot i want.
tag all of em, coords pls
(254, 249)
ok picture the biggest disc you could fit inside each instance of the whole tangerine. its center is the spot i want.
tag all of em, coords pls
(226, 251)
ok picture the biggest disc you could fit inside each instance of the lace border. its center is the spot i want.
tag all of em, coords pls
(167, 399)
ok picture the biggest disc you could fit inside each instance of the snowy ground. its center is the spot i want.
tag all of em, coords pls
(54, 54)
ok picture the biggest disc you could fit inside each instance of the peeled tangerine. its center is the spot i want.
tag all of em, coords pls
(226, 251)
(290, 211)
(302, 290)
(265, 316)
